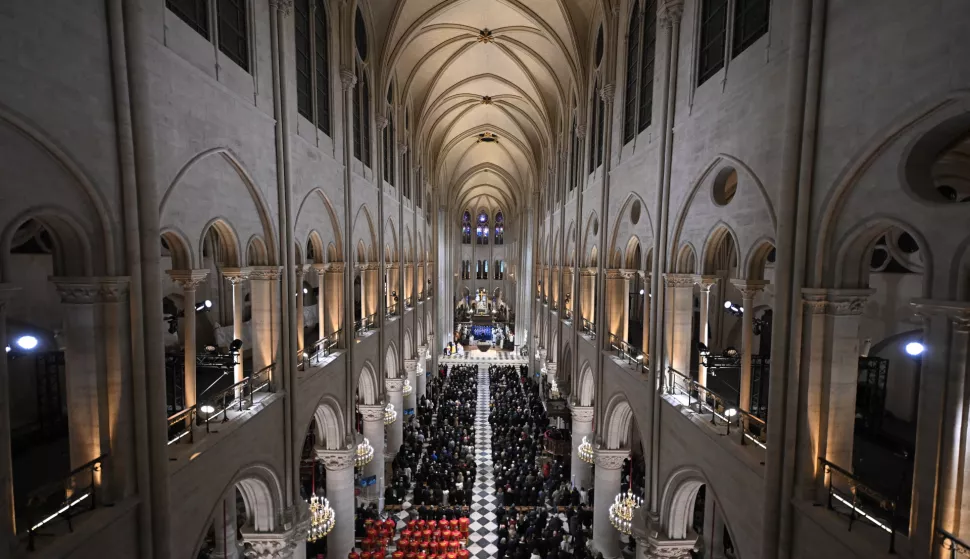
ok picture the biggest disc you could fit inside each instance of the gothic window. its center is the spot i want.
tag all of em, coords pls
(193, 12)
(711, 52)
(574, 159)
(632, 74)
(750, 23)
(234, 31)
(597, 108)
(466, 228)
(499, 228)
(389, 141)
(482, 228)
(647, 56)
(362, 111)
(312, 70)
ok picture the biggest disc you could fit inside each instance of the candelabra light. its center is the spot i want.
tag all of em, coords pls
(408, 389)
(322, 518)
(622, 509)
(390, 414)
(365, 453)
(586, 451)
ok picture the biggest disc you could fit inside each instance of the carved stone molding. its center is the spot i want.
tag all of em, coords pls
(283, 543)
(582, 413)
(705, 282)
(86, 291)
(394, 384)
(671, 12)
(587, 272)
(836, 302)
(372, 412)
(113, 289)
(620, 273)
(680, 280)
(581, 131)
(667, 549)
(348, 78)
(188, 279)
(335, 267)
(607, 93)
(749, 288)
(957, 311)
(335, 460)
(402, 148)
(236, 275)
(611, 459)
(285, 7)
(300, 271)
(382, 122)
(258, 273)
(422, 352)
(485, 36)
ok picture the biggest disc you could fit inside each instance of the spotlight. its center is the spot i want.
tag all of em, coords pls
(915, 348)
(702, 349)
(730, 352)
(8, 349)
(305, 291)
(27, 342)
(207, 409)
(730, 412)
(235, 346)
(728, 304)
(201, 306)
(640, 357)
(641, 292)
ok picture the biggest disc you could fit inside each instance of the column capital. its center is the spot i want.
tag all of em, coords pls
(611, 459)
(706, 282)
(552, 367)
(188, 279)
(671, 12)
(392, 265)
(394, 384)
(606, 93)
(281, 543)
(236, 275)
(582, 413)
(680, 280)
(348, 78)
(422, 352)
(590, 271)
(957, 311)
(89, 290)
(410, 365)
(620, 273)
(749, 288)
(300, 270)
(655, 544)
(258, 273)
(381, 121)
(285, 7)
(580, 131)
(372, 412)
(335, 460)
(838, 302)
(336, 267)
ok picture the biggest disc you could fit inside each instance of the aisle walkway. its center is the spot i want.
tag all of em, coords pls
(483, 531)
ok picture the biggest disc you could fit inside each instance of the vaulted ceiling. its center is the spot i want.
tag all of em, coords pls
(487, 81)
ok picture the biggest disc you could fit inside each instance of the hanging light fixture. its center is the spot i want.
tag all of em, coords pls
(365, 453)
(554, 390)
(408, 389)
(586, 451)
(390, 415)
(623, 507)
(322, 516)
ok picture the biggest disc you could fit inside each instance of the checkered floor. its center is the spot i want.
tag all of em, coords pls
(483, 531)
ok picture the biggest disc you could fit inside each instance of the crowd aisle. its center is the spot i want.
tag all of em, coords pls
(484, 529)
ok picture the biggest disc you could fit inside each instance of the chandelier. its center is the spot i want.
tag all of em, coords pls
(622, 509)
(408, 389)
(554, 391)
(390, 415)
(586, 451)
(365, 453)
(322, 518)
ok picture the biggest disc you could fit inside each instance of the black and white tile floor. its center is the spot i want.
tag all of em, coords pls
(483, 530)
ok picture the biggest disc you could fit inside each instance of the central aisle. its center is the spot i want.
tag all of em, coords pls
(483, 529)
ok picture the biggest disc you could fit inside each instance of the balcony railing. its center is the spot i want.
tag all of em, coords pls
(859, 501)
(239, 396)
(63, 499)
(568, 315)
(320, 349)
(409, 303)
(589, 328)
(749, 427)
(392, 309)
(952, 544)
(626, 351)
(365, 324)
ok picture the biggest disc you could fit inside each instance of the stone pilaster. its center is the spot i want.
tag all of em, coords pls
(704, 328)
(679, 319)
(340, 492)
(395, 431)
(299, 275)
(333, 295)
(321, 274)
(618, 302)
(265, 310)
(582, 427)
(236, 277)
(609, 463)
(373, 416)
(749, 290)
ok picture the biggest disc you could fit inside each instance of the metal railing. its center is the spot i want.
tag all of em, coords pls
(860, 495)
(749, 427)
(320, 349)
(238, 395)
(421, 296)
(589, 328)
(568, 314)
(953, 544)
(63, 499)
(409, 303)
(625, 350)
(365, 324)
(392, 309)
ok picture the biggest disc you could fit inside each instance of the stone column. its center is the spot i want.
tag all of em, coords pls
(334, 296)
(749, 289)
(582, 427)
(833, 370)
(340, 493)
(569, 298)
(943, 403)
(393, 282)
(264, 326)
(236, 277)
(8, 527)
(189, 280)
(551, 368)
(408, 283)
(587, 295)
(680, 319)
(606, 539)
(300, 273)
(645, 340)
(84, 340)
(395, 431)
(654, 543)
(371, 291)
(374, 432)
(320, 270)
(224, 527)
(618, 299)
(421, 386)
(705, 283)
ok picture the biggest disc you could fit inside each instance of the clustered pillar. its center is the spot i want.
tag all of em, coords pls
(582, 427)
(340, 492)
(609, 463)
(373, 416)
(395, 431)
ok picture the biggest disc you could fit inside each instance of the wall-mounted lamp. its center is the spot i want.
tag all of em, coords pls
(203, 305)
(915, 348)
